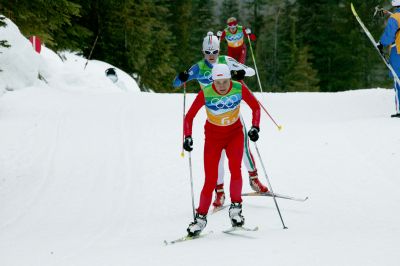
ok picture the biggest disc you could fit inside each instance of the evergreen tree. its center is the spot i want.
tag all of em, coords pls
(181, 28)
(302, 77)
(44, 18)
(229, 8)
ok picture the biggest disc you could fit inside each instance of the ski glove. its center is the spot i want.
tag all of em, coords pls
(380, 47)
(188, 143)
(238, 74)
(183, 76)
(248, 31)
(253, 133)
(219, 34)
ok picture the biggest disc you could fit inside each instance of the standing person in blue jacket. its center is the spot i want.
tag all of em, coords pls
(391, 38)
(201, 71)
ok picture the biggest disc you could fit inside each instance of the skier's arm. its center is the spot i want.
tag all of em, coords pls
(389, 35)
(251, 100)
(235, 65)
(193, 74)
(247, 32)
(196, 105)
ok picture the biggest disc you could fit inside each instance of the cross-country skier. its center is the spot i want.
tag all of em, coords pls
(391, 37)
(201, 71)
(235, 35)
(223, 131)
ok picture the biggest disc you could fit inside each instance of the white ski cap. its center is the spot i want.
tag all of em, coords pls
(395, 2)
(221, 71)
(210, 42)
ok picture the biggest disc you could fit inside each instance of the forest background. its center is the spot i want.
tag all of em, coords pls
(302, 45)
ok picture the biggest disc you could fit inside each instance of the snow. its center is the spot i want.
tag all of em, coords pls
(92, 175)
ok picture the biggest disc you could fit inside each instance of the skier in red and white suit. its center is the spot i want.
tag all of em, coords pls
(223, 131)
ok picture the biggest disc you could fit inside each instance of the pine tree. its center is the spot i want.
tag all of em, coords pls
(45, 19)
(302, 77)
(229, 8)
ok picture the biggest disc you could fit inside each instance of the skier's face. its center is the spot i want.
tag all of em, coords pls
(222, 85)
(232, 28)
(211, 56)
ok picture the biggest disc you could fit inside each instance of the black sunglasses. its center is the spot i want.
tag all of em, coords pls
(213, 52)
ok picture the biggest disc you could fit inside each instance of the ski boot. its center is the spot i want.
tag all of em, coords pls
(235, 213)
(255, 183)
(395, 115)
(219, 196)
(196, 227)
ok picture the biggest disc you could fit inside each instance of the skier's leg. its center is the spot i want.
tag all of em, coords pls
(243, 54)
(234, 152)
(221, 169)
(219, 189)
(250, 164)
(212, 155)
(397, 97)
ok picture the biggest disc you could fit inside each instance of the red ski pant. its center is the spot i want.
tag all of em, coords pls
(239, 53)
(232, 142)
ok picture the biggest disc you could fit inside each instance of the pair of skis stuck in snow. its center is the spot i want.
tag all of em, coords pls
(232, 230)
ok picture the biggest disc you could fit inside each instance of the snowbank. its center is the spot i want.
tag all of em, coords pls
(20, 63)
(21, 67)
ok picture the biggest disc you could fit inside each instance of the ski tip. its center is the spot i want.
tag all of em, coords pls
(352, 8)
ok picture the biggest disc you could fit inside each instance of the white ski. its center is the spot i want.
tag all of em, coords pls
(269, 194)
(186, 238)
(217, 209)
(240, 228)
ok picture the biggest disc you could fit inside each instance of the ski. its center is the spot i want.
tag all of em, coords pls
(395, 115)
(217, 209)
(269, 194)
(371, 38)
(186, 238)
(240, 228)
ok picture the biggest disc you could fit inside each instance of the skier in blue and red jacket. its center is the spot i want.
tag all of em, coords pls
(391, 38)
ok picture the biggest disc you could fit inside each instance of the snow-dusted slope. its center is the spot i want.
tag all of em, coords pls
(21, 66)
(94, 177)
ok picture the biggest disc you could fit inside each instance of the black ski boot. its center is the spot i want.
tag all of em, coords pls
(196, 227)
(395, 115)
(235, 213)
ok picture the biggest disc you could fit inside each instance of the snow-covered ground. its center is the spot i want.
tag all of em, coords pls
(95, 177)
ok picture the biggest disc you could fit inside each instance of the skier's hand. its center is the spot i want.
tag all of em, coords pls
(188, 143)
(253, 133)
(183, 76)
(253, 37)
(219, 34)
(248, 31)
(238, 74)
(380, 47)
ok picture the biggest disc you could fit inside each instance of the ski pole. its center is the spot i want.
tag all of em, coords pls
(255, 65)
(265, 110)
(91, 51)
(191, 185)
(269, 184)
(259, 84)
(183, 120)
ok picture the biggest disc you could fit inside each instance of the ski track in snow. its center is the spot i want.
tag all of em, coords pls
(97, 179)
